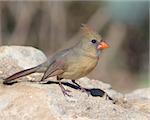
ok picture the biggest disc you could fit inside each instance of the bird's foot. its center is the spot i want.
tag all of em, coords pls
(65, 92)
(84, 90)
(81, 88)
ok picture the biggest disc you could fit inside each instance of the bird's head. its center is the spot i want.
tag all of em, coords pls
(91, 41)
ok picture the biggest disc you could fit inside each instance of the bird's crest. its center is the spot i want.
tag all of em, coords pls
(89, 33)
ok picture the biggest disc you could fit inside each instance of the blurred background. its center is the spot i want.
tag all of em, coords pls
(54, 25)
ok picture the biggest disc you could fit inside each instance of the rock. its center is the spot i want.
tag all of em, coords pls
(140, 100)
(139, 94)
(16, 58)
(34, 101)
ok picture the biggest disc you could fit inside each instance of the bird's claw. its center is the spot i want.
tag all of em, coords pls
(65, 92)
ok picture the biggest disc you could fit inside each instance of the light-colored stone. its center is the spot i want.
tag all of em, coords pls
(140, 100)
(33, 101)
(24, 57)
(16, 58)
(140, 94)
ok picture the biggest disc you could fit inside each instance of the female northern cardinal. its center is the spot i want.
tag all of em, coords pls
(72, 63)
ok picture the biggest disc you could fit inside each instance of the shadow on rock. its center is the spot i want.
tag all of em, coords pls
(95, 92)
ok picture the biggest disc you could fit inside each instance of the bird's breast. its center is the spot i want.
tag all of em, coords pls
(79, 67)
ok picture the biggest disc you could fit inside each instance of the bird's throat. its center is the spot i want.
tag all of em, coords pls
(93, 56)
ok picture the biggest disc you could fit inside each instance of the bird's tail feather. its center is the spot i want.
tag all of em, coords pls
(20, 74)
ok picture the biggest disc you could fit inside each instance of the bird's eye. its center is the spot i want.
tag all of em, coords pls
(93, 41)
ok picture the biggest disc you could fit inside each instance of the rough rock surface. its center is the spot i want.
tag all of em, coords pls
(33, 101)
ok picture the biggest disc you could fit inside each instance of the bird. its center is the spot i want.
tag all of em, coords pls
(71, 63)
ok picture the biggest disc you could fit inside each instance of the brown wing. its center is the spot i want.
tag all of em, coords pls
(56, 68)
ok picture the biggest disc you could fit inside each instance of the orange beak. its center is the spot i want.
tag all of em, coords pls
(102, 45)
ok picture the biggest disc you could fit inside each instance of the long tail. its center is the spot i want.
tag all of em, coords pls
(20, 74)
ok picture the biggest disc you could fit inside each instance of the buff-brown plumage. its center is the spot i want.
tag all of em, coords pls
(72, 63)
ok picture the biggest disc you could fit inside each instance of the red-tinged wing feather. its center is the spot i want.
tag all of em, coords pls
(53, 70)
(20, 74)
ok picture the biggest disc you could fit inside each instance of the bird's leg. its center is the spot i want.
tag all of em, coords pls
(64, 91)
(80, 87)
